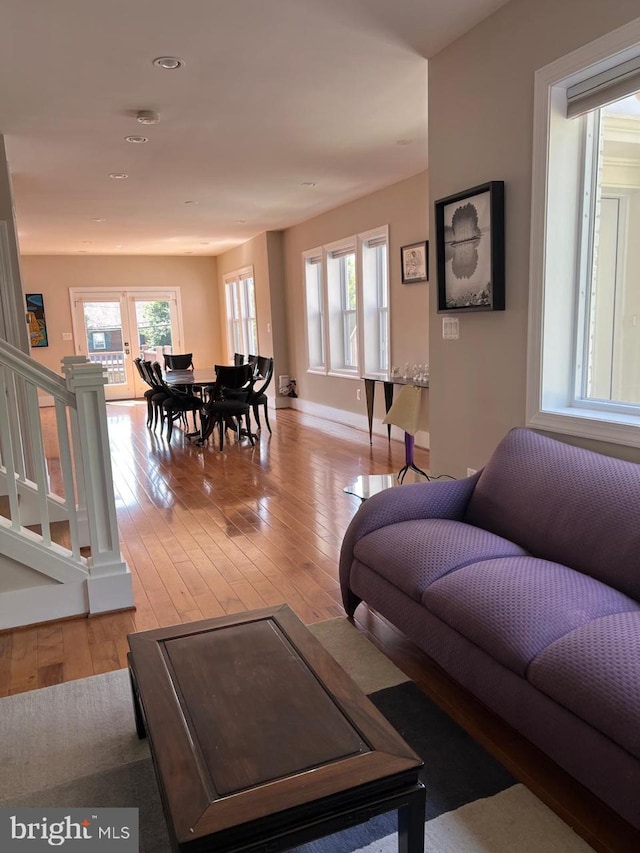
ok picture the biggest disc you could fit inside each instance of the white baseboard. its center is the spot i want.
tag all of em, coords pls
(355, 420)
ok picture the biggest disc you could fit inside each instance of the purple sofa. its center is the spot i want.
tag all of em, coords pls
(523, 583)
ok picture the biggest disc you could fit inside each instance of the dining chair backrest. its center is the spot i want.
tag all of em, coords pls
(238, 358)
(178, 361)
(139, 368)
(234, 376)
(156, 374)
(264, 374)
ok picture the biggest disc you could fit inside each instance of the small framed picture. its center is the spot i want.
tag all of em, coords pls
(414, 259)
(470, 249)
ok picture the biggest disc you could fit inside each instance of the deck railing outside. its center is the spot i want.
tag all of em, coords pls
(113, 363)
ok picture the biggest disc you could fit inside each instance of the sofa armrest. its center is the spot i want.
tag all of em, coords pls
(404, 503)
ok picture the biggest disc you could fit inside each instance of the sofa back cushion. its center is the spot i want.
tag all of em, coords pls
(565, 504)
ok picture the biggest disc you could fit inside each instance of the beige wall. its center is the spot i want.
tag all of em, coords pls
(404, 207)
(195, 277)
(480, 129)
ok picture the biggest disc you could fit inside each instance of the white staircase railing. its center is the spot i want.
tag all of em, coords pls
(59, 473)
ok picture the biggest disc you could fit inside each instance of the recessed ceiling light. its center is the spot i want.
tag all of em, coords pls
(241, 221)
(136, 140)
(87, 242)
(308, 184)
(169, 63)
(118, 176)
(119, 245)
(98, 219)
(190, 201)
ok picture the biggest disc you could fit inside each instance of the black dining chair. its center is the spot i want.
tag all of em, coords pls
(148, 394)
(224, 410)
(176, 404)
(156, 395)
(178, 361)
(238, 359)
(258, 398)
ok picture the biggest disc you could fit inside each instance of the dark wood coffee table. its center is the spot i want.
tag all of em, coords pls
(260, 741)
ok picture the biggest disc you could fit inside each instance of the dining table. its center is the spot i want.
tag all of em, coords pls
(196, 381)
(200, 377)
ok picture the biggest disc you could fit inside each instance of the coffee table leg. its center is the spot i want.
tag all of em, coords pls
(411, 823)
(137, 710)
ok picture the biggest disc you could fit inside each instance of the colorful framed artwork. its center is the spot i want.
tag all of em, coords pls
(36, 320)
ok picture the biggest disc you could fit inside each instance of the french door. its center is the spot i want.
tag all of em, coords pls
(112, 327)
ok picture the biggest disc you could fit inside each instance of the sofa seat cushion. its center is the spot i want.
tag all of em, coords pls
(515, 607)
(594, 671)
(413, 554)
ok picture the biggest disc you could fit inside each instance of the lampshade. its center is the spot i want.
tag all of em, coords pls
(405, 411)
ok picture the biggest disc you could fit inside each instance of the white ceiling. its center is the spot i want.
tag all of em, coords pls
(274, 93)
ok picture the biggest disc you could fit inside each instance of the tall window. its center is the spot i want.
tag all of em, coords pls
(375, 301)
(242, 327)
(313, 278)
(347, 305)
(584, 356)
(343, 304)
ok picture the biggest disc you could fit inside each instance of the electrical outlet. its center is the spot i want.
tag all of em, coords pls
(471, 472)
(358, 394)
(67, 336)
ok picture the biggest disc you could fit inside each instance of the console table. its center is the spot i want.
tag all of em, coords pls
(388, 382)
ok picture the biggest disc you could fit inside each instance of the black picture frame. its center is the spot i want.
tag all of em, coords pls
(414, 262)
(470, 250)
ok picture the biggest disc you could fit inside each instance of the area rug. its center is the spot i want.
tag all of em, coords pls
(74, 745)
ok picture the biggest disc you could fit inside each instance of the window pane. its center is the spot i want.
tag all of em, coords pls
(315, 314)
(612, 314)
(153, 320)
(349, 279)
(375, 297)
(351, 339)
(103, 327)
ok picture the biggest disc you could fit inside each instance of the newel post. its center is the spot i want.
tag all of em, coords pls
(86, 381)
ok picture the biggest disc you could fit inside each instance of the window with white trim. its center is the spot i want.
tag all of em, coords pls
(242, 326)
(347, 305)
(584, 355)
(314, 301)
(375, 300)
(342, 303)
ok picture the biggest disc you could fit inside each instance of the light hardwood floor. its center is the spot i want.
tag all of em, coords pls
(207, 533)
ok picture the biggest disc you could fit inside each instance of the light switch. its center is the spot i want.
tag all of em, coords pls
(67, 336)
(450, 328)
